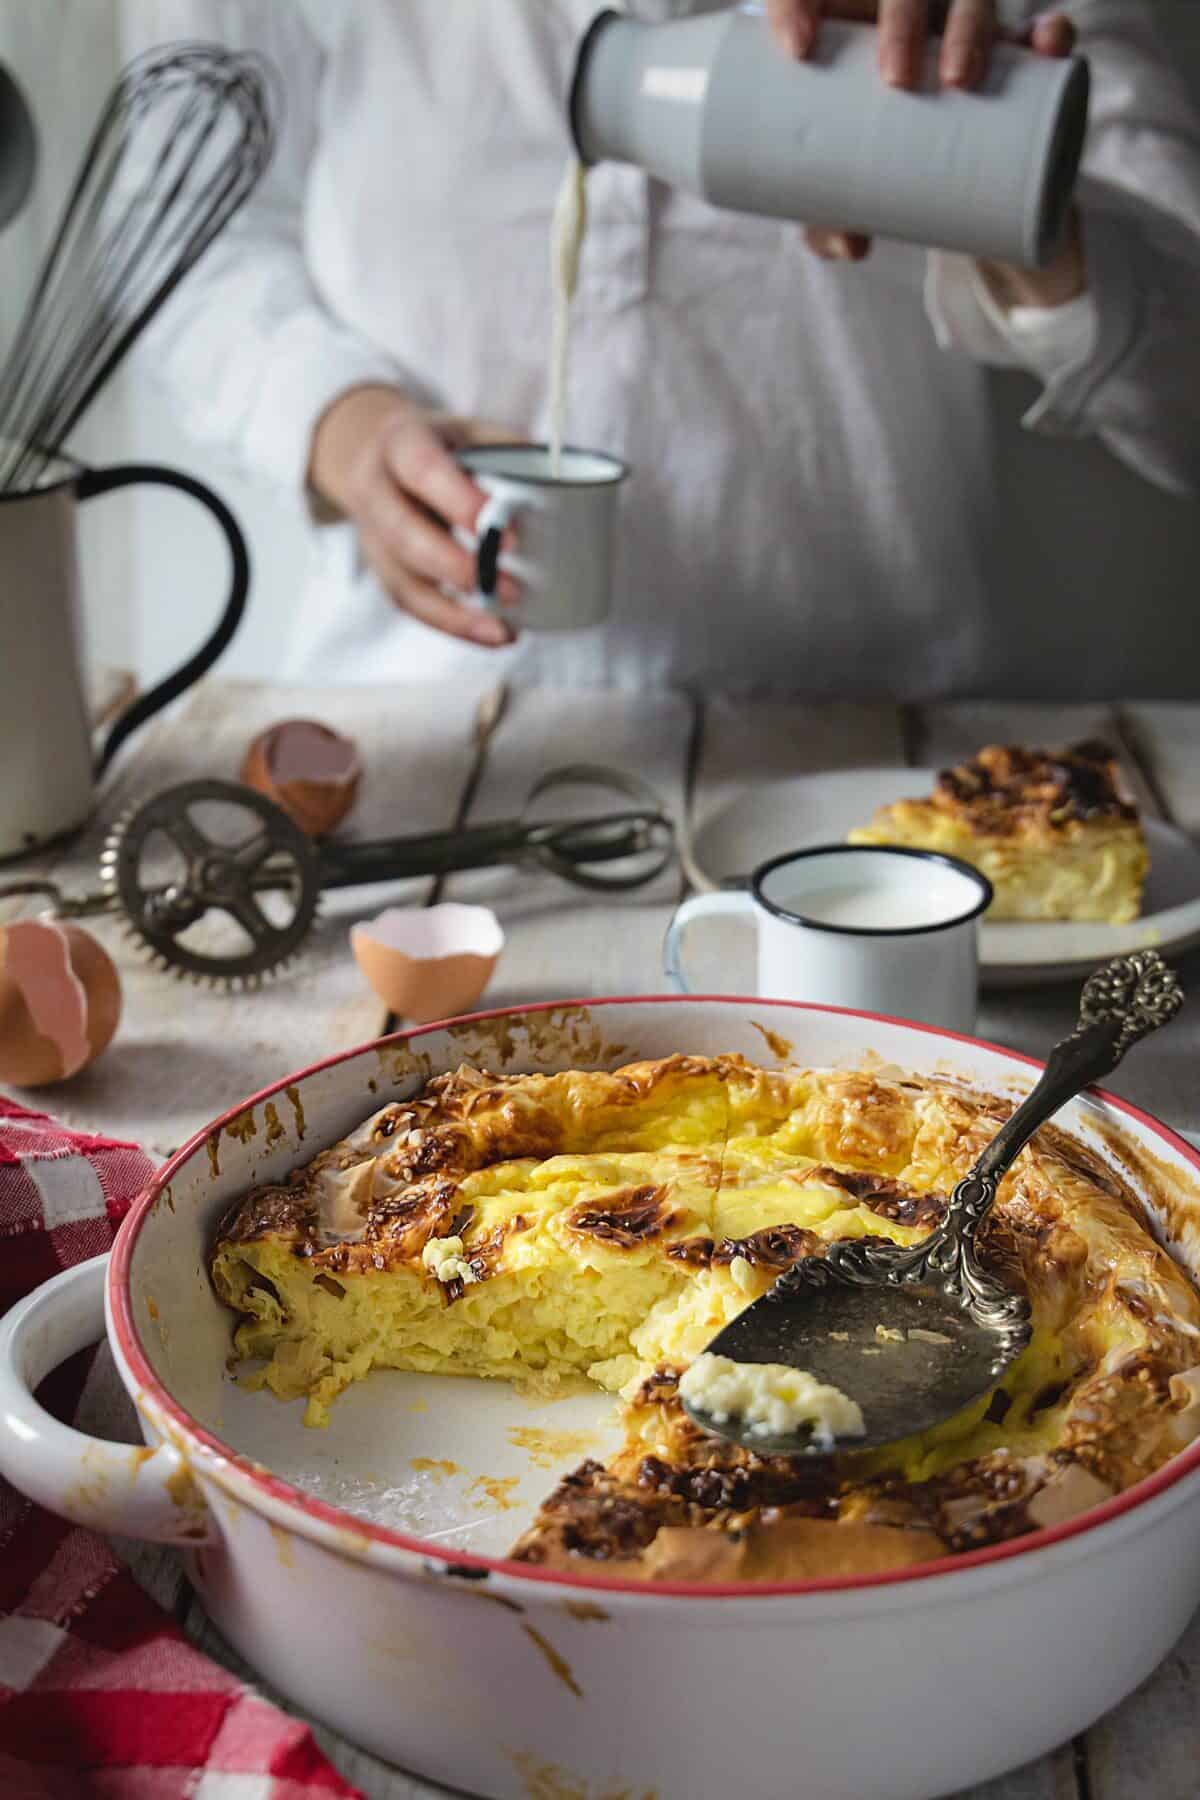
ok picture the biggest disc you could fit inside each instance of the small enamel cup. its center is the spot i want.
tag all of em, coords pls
(869, 927)
(565, 521)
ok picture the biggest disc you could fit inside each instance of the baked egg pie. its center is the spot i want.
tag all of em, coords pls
(604, 1226)
(1052, 831)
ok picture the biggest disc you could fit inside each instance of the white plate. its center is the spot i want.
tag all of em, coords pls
(817, 809)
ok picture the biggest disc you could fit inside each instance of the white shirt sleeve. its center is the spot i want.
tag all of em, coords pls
(249, 355)
(1054, 343)
(1123, 363)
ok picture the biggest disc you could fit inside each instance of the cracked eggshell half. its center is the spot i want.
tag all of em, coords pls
(308, 770)
(60, 1002)
(429, 962)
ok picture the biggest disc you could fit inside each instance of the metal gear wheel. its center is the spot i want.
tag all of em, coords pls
(247, 895)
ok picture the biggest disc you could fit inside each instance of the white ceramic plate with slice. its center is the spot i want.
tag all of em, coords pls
(817, 809)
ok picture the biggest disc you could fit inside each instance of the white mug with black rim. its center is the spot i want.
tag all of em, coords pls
(870, 927)
(565, 524)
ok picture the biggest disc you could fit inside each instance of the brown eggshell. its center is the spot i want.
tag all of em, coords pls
(429, 962)
(60, 1002)
(307, 769)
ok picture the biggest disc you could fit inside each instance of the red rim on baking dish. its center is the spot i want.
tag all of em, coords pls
(442, 1562)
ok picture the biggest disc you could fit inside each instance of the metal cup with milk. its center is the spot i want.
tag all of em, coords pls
(871, 927)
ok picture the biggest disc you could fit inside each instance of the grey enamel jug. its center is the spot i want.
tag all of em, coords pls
(710, 105)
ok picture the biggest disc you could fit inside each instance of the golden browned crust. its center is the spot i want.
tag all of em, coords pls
(636, 1516)
(776, 1247)
(1009, 790)
(400, 1173)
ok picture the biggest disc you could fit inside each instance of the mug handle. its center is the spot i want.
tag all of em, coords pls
(492, 524)
(91, 484)
(725, 900)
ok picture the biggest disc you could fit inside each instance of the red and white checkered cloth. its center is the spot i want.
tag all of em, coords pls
(100, 1694)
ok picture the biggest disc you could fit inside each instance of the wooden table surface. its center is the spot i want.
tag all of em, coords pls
(184, 1054)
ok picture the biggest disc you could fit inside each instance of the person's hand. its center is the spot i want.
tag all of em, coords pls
(390, 467)
(969, 29)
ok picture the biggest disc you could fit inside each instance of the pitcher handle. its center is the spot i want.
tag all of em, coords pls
(725, 900)
(135, 1491)
(91, 485)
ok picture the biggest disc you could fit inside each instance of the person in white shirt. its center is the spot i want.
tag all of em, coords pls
(812, 506)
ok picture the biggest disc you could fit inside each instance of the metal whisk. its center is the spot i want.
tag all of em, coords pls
(182, 142)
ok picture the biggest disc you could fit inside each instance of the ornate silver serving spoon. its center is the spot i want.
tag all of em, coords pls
(914, 1334)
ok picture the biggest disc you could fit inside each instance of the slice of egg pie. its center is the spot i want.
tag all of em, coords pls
(1052, 831)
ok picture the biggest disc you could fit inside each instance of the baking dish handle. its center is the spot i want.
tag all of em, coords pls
(132, 1490)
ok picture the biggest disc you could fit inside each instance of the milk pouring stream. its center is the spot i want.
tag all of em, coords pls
(570, 227)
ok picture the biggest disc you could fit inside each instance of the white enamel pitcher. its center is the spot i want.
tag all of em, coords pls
(48, 767)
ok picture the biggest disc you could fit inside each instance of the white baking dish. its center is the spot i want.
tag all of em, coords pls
(501, 1680)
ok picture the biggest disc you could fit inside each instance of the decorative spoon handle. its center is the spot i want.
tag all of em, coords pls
(1120, 1004)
